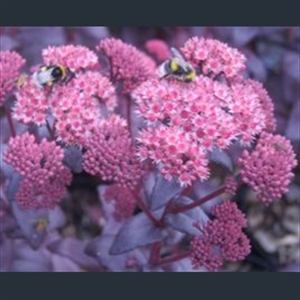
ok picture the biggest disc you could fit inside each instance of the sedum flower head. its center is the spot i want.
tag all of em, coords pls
(268, 168)
(266, 103)
(127, 63)
(230, 184)
(222, 239)
(10, 63)
(214, 56)
(32, 103)
(75, 106)
(228, 211)
(178, 155)
(204, 113)
(111, 155)
(44, 175)
(158, 48)
(73, 57)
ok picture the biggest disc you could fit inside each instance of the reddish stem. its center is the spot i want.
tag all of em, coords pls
(10, 122)
(146, 210)
(187, 190)
(155, 253)
(183, 208)
(172, 259)
(52, 136)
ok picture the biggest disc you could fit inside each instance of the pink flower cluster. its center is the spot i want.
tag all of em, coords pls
(127, 63)
(75, 58)
(204, 114)
(123, 200)
(266, 103)
(76, 106)
(111, 155)
(159, 49)
(44, 176)
(32, 103)
(175, 152)
(10, 63)
(230, 184)
(214, 57)
(222, 239)
(268, 168)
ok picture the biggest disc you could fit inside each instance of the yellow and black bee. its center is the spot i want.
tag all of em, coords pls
(48, 75)
(177, 67)
(40, 224)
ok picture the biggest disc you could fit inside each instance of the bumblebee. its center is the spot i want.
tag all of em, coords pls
(177, 67)
(40, 224)
(48, 75)
(21, 80)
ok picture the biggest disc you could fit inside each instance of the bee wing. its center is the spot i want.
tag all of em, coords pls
(179, 57)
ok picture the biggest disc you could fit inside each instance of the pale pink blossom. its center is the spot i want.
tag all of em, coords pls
(205, 114)
(175, 153)
(75, 58)
(10, 64)
(214, 57)
(158, 48)
(32, 103)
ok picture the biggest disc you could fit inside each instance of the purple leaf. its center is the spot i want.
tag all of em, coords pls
(243, 35)
(163, 191)
(13, 184)
(137, 232)
(74, 250)
(234, 151)
(99, 249)
(183, 265)
(34, 39)
(293, 125)
(63, 264)
(220, 157)
(28, 260)
(270, 55)
(184, 222)
(33, 224)
(291, 63)
(56, 218)
(7, 223)
(111, 225)
(6, 255)
(173, 237)
(202, 189)
(7, 43)
(149, 184)
(73, 158)
(255, 66)
(91, 35)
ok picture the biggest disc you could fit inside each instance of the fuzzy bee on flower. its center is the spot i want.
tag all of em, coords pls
(48, 75)
(177, 67)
